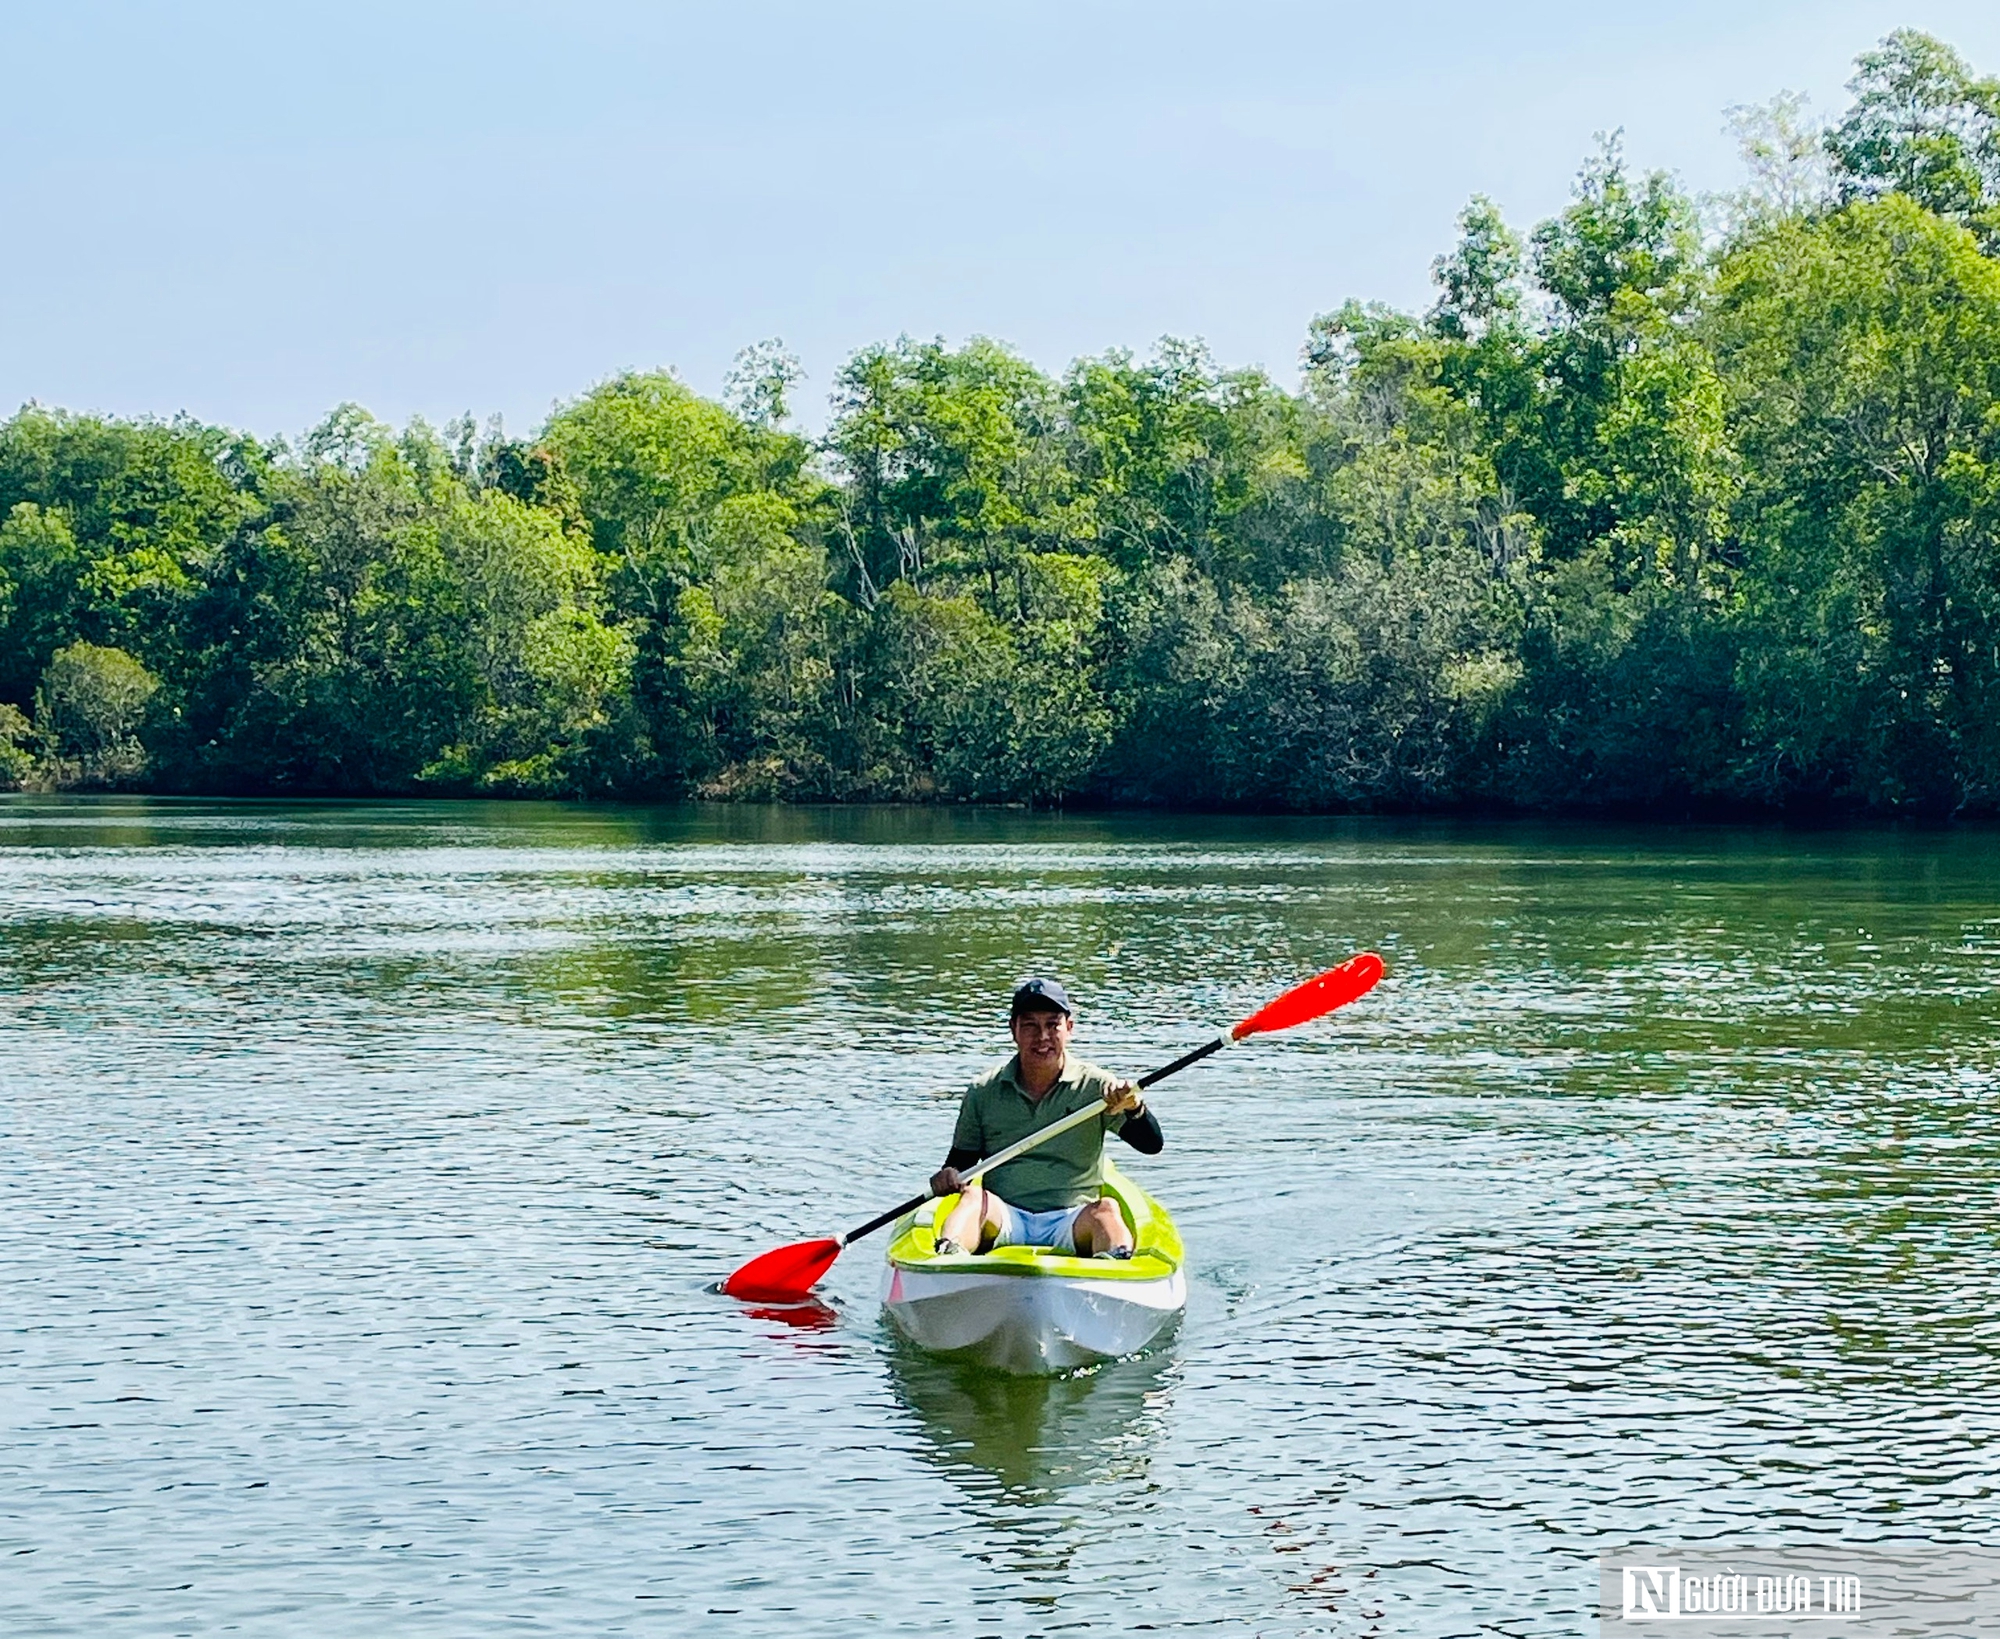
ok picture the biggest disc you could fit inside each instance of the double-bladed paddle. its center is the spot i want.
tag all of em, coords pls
(788, 1273)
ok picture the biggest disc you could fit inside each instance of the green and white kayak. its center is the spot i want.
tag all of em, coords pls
(1028, 1309)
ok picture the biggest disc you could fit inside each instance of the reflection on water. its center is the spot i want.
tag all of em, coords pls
(807, 1315)
(1029, 1438)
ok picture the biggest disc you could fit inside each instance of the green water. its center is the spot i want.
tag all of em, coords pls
(368, 1168)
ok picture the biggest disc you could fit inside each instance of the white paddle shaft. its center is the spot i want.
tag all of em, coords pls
(1076, 1118)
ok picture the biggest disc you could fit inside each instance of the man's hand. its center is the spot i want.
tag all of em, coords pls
(946, 1181)
(1124, 1098)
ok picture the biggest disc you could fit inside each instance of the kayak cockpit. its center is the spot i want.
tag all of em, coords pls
(1156, 1243)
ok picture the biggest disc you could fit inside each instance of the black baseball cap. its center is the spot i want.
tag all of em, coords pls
(1038, 995)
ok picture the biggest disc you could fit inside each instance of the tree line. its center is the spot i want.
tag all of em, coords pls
(1665, 505)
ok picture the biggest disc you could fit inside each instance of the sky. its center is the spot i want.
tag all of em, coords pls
(252, 213)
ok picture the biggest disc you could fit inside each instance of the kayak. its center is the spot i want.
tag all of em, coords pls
(1030, 1310)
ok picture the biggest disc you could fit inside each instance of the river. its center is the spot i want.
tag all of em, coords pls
(368, 1168)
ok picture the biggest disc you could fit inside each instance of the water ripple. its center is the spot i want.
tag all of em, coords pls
(370, 1168)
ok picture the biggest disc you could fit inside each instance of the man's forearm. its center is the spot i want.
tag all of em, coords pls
(1142, 1132)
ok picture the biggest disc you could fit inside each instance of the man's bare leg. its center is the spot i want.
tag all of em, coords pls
(973, 1221)
(1100, 1227)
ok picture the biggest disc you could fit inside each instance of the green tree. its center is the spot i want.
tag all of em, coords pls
(1621, 265)
(754, 655)
(1864, 356)
(1666, 468)
(148, 506)
(88, 708)
(1176, 677)
(1623, 519)
(1175, 459)
(546, 669)
(656, 470)
(41, 594)
(685, 500)
(760, 383)
(1923, 124)
(956, 469)
(347, 668)
(990, 710)
(17, 761)
(1479, 282)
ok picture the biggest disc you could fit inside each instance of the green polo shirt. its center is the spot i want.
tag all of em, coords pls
(1066, 1171)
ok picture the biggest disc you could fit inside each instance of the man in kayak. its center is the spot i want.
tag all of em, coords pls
(1052, 1196)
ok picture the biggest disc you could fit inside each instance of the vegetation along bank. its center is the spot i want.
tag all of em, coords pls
(1667, 504)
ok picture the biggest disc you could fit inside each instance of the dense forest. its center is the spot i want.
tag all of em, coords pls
(1669, 504)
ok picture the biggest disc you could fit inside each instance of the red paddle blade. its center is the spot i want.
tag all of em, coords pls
(783, 1276)
(1336, 987)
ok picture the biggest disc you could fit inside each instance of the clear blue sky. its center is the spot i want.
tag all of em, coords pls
(252, 213)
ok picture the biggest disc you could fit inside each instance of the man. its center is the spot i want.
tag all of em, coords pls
(1052, 1195)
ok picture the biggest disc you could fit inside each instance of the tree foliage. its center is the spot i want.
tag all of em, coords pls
(1628, 517)
(1925, 126)
(88, 708)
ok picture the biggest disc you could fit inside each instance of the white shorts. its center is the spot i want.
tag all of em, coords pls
(1055, 1229)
